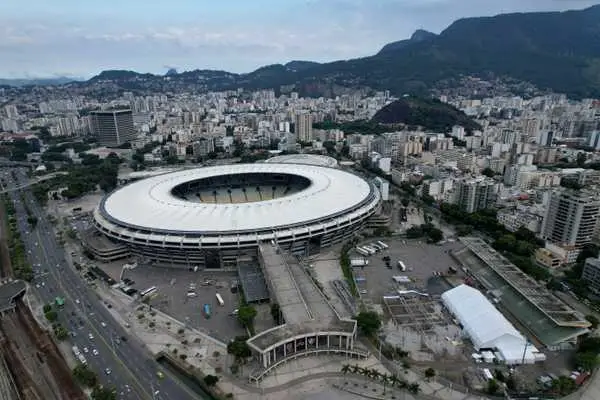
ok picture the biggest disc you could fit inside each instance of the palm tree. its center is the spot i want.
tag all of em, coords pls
(374, 374)
(356, 369)
(365, 371)
(346, 368)
(394, 380)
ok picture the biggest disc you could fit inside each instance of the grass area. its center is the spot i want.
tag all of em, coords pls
(347, 268)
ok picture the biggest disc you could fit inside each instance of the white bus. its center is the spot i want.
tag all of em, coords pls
(76, 351)
(362, 251)
(370, 249)
(81, 359)
(385, 246)
(401, 266)
(149, 291)
(220, 300)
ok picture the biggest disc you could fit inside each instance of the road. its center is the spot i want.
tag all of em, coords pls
(133, 371)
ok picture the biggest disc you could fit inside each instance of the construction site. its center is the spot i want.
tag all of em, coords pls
(31, 365)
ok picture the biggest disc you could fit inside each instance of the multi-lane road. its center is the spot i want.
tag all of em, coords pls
(120, 361)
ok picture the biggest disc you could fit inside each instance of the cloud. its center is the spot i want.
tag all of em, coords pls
(238, 41)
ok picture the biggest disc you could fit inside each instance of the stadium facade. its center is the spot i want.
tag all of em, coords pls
(211, 217)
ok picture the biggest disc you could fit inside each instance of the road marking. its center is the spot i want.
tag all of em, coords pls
(68, 295)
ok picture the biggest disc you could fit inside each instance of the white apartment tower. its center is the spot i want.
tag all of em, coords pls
(571, 217)
(303, 127)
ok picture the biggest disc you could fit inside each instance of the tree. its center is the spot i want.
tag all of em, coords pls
(246, 315)
(488, 172)
(51, 315)
(587, 360)
(368, 322)
(414, 388)
(239, 348)
(429, 373)
(405, 202)
(85, 376)
(211, 380)
(47, 307)
(103, 393)
(492, 386)
(346, 368)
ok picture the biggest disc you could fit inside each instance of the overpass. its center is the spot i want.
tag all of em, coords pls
(33, 182)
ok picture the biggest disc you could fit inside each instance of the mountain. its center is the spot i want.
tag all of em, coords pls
(430, 114)
(552, 50)
(420, 35)
(38, 81)
(301, 65)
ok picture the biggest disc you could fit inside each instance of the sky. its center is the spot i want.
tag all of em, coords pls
(80, 38)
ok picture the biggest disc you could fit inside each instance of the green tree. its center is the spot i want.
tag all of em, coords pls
(211, 380)
(588, 360)
(488, 172)
(239, 348)
(47, 307)
(246, 315)
(103, 393)
(51, 315)
(492, 386)
(85, 376)
(368, 322)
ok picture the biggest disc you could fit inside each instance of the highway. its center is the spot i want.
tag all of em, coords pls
(132, 370)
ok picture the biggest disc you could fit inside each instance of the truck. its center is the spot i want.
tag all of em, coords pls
(359, 262)
(206, 311)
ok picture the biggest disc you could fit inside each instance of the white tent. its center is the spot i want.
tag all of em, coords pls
(486, 326)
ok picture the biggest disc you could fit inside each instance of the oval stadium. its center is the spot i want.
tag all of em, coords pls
(211, 217)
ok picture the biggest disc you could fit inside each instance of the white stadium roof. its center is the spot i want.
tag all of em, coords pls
(307, 159)
(149, 204)
(486, 326)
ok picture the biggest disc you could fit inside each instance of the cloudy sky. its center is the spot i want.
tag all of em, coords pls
(40, 38)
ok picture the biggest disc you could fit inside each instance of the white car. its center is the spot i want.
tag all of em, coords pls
(90, 336)
(95, 352)
(77, 301)
(86, 350)
(364, 291)
(103, 324)
(107, 371)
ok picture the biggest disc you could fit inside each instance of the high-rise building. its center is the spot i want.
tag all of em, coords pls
(303, 127)
(571, 217)
(113, 127)
(591, 274)
(476, 194)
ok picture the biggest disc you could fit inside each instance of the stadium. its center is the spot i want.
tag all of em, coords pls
(211, 217)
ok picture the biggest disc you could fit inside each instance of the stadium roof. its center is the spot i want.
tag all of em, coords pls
(306, 159)
(150, 205)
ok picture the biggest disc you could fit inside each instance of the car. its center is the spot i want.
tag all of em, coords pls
(95, 352)
(86, 350)
(103, 324)
(77, 301)
(363, 291)
(107, 371)
(90, 336)
(160, 375)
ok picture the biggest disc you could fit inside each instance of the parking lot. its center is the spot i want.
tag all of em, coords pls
(172, 296)
(423, 262)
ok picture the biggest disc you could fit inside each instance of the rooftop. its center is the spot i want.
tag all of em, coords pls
(560, 313)
(331, 193)
(9, 292)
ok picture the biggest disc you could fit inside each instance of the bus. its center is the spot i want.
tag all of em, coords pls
(206, 311)
(149, 291)
(401, 266)
(385, 246)
(220, 300)
(362, 251)
(59, 301)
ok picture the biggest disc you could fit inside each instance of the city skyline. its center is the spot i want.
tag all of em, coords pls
(81, 39)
